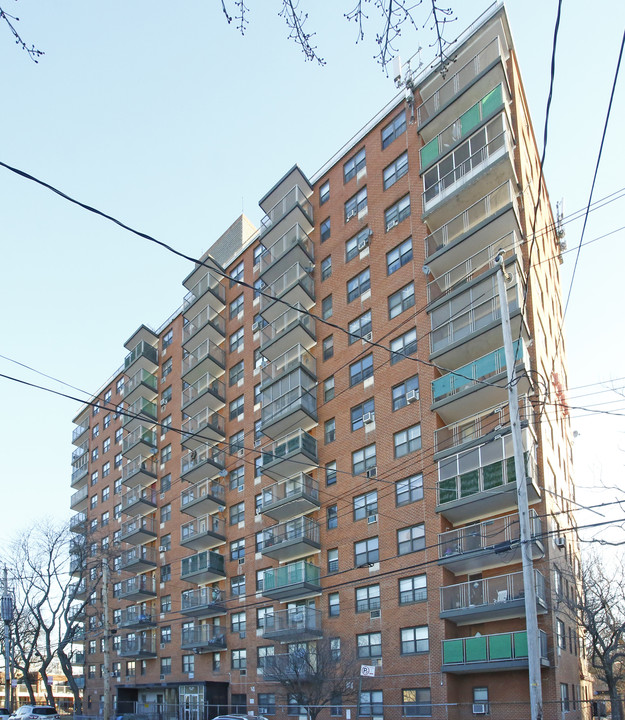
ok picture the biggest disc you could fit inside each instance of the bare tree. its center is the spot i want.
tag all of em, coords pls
(10, 21)
(315, 676)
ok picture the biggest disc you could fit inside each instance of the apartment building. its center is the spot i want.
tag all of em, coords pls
(316, 449)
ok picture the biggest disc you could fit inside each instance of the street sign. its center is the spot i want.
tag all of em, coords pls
(367, 670)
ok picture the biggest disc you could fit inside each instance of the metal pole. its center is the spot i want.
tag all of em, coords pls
(7, 616)
(531, 616)
(106, 671)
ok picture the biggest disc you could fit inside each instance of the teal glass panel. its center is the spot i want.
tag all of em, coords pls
(429, 152)
(491, 101)
(452, 651)
(493, 475)
(520, 644)
(469, 483)
(500, 647)
(476, 649)
(447, 491)
(470, 119)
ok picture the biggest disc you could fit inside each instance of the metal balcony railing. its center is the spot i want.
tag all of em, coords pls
(497, 590)
(294, 357)
(292, 199)
(291, 238)
(142, 349)
(208, 283)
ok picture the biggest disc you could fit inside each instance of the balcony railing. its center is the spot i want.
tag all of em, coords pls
(208, 283)
(78, 522)
(199, 527)
(208, 316)
(503, 649)
(292, 199)
(206, 349)
(80, 472)
(139, 496)
(296, 357)
(136, 617)
(293, 574)
(207, 383)
(137, 647)
(458, 82)
(80, 429)
(293, 623)
(288, 446)
(298, 398)
(79, 452)
(205, 454)
(469, 218)
(301, 533)
(294, 276)
(287, 498)
(204, 637)
(140, 585)
(140, 435)
(143, 556)
(79, 497)
(207, 562)
(139, 465)
(292, 238)
(142, 349)
(206, 490)
(203, 601)
(141, 377)
(138, 526)
(205, 419)
(298, 665)
(139, 410)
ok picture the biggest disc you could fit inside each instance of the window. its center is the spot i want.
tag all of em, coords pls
(107, 396)
(237, 513)
(239, 659)
(260, 541)
(358, 285)
(168, 338)
(259, 250)
(258, 466)
(326, 307)
(165, 603)
(267, 703)
(366, 552)
(393, 130)
(237, 549)
(333, 560)
(396, 213)
(326, 268)
(363, 459)
(368, 598)
(236, 306)
(400, 301)
(407, 441)
(331, 473)
(329, 431)
(93, 501)
(238, 702)
(165, 543)
(166, 453)
(118, 460)
(365, 410)
(237, 623)
(332, 517)
(258, 433)
(480, 697)
(236, 441)
(104, 520)
(365, 505)
(264, 617)
(236, 274)
(118, 435)
(564, 697)
(262, 653)
(360, 327)
(401, 392)
(165, 572)
(166, 634)
(259, 286)
(416, 702)
(336, 705)
(403, 346)
(353, 166)
(165, 425)
(166, 513)
(236, 408)
(237, 585)
(325, 230)
(237, 340)
(356, 204)
(560, 637)
(119, 386)
(166, 395)
(328, 347)
(165, 666)
(334, 606)
(397, 169)
(107, 421)
(399, 256)
(166, 483)
(328, 388)
(94, 478)
(335, 649)
(95, 431)
(106, 469)
(188, 664)
(354, 245)
(324, 192)
(414, 640)
(361, 370)
(369, 645)
(409, 490)
(411, 539)
(95, 454)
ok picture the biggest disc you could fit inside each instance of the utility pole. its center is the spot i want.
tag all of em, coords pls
(6, 610)
(531, 616)
(106, 672)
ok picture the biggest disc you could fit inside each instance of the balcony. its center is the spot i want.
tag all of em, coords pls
(79, 635)
(296, 357)
(203, 602)
(293, 247)
(141, 441)
(470, 80)
(289, 402)
(289, 455)
(482, 481)
(205, 392)
(479, 384)
(138, 647)
(206, 462)
(292, 539)
(208, 291)
(204, 638)
(298, 624)
(79, 453)
(78, 523)
(138, 531)
(142, 384)
(202, 326)
(203, 533)
(299, 666)
(206, 358)
(142, 587)
(205, 567)
(494, 598)
(79, 431)
(291, 328)
(295, 287)
(78, 566)
(477, 429)
(139, 501)
(142, 357)
(488, 544)
(80, 499)
(205, 497)
(139, 559)
(473, 312)
(293, 208)
(483, 161)
(78, 590)
(78, 659)
(80, 473)
(490, 653)
(137, 618)
(293, 581)
(289, 498)
(205, 426)
(141, 411)
(139, 472)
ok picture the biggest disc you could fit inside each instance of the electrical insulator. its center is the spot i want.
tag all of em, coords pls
(6, 608)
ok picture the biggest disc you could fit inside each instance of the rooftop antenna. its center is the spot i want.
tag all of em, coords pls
(406, 80)
(560, 231)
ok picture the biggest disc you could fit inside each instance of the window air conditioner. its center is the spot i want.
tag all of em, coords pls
(257, 442)
(412, 396)
(375, 614)
(162, 548)
(368, 418)
(350, 215)
(560, 542)
(255, 327)
(367, 337)
(162, 677)
(372, 472)
(241, 453)
(241, 561)
(164, 402)
(362, 244)
(372, 519)
(243, 672)
(479, 709)
(163, 646)
(391, 224)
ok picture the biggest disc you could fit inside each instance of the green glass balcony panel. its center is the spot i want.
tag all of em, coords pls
(501, 647)
(447, 491)
(292, 574)
(493, 475)
(520, 645)
(470, 119)
(469, 483)
(511, 468)
(476, 649)
(453, 651)
(491, 101)
(429, 152)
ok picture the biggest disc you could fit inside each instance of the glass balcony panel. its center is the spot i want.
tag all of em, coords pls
(139, 501)
(136, 588)
(139, 530)
(502, 651)
(294, 246)
(141, 411)
(287, 330)
(289, 498)
(137, 617)
(296, 624)
(292, 400)
(139, 471)
(203, 533)
(207, 291)
(206, 461)
(294, 198)
(80, 499)
(138, 559)
(207, 391)
(141, 440)
(78, 431)
(207, 638)
(80, 472)
(294, 538)
(206, 357)
(143, 356)
(203, 602)
(294, 358)
(202, 427)
(205, 497)
(206, 566)
(289, 454)
(138, 647)
(78, 522)
(294, 286)
(299, 579)
(202, 324)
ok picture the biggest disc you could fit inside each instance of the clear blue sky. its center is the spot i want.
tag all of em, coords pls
(164, 116)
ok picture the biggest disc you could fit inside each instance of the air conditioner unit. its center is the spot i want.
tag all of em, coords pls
(243, 672)
(372, 472)
(479, 709)
(255, 327)
(162, 677)
(392, 224)
(241, 453)
(368, 418)
(412, 396)
(257, 442)
(367, 337)
(258, 510)
(350, 215)
(364, 243)
(241, 561)
(162, 548)
(560, 542)
(163, 646)
(372, 519)
(241, 488)
(164, 402)
(375, 614)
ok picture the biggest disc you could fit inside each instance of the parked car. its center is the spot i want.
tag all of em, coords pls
(240, 717)
(36, 712)
(4, 713)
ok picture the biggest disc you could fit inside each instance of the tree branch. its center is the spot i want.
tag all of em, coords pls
(32, 51)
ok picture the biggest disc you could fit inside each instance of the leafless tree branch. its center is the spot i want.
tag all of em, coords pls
(441, 18)
(295, 20)
(32, 51)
